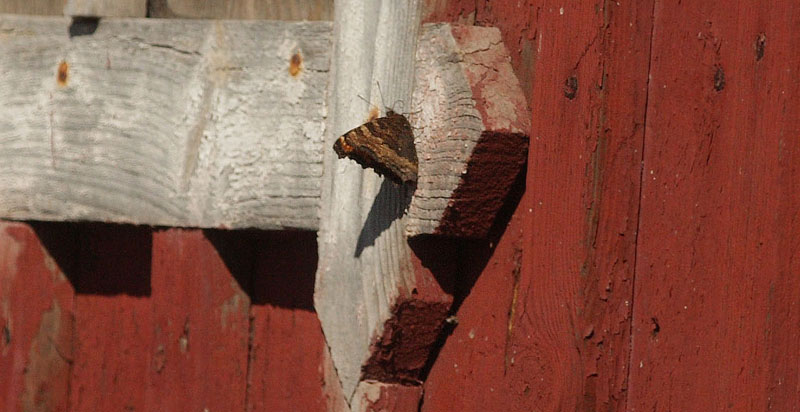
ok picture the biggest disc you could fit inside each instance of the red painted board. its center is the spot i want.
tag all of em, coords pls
(287, 348)
(546, 325)
(470, 372)
(717, 299)
(200, 325)
(112, 318)
(36, 302)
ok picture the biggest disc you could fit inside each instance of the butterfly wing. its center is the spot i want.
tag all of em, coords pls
(385, 144)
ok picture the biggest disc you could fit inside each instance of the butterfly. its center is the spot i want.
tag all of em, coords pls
(385, 144)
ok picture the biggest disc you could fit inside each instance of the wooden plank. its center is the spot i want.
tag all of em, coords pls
(106, 8)
(33, 7)
(170, 123)
(717, 297)
(200, 324)
(243, 9)
(36, 312)
(113, 319)
(364, 258)
(287, 347)
(181, 123)
(546, 325)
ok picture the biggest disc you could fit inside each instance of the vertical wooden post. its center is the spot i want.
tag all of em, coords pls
(365, 262)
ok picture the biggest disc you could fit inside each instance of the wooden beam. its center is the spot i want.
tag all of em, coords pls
(220, 124)
(106, 8)
(364, 259)
(243, 9)
(471, 128)
(174, 123)
(33, 7)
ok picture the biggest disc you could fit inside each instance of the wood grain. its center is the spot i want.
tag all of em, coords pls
(717, 300)
(178, 123)
(33, 7)
(546, 325)
(199, 124)
(364, 258)
(243, 9)
(471, 130)
(106, 8)
(36, 324)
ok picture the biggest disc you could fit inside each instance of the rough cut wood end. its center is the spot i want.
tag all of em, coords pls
(471, 130)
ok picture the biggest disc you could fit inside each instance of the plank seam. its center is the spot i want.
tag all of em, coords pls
(639, 206)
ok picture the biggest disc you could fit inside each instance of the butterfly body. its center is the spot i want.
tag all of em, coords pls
(385, 144)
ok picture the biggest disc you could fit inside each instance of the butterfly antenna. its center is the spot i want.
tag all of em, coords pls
(368, 102)
(401, 101)
(380, 92)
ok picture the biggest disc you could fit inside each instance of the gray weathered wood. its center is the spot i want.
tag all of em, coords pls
(106, 8)
(466, 97)
(33, 7)
(197, 123)
(179, 123)
(243, 9)
(364, 259)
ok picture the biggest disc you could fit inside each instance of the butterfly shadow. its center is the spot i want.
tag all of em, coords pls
(389, 205)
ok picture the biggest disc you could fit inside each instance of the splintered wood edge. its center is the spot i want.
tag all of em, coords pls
(471, 130)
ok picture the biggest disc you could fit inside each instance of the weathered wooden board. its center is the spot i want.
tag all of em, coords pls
(546, 325)
(364, 258)
(36, 323)
(190, 123)
(33, 7)
(243, 9)
(181, 123)
(287, 348)
(201, 325)
(113, 318)
(717, 302)
(106, 8)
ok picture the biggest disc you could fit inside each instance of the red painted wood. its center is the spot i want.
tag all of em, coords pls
(113, 318)
(373, 396)
(200, 328)
(288, 348)
(717, 303)
(546, 324)
(36, 319)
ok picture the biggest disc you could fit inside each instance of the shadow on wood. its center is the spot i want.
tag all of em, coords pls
(383, 212)
(273, 267)
(472, 256)
(98, 258)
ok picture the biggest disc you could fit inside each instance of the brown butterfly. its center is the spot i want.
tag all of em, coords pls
(385, 144)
